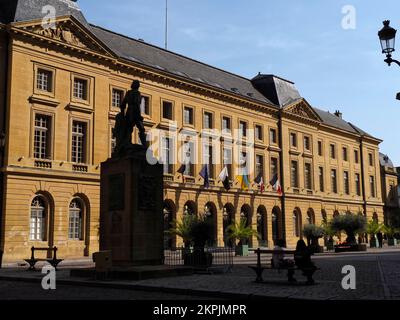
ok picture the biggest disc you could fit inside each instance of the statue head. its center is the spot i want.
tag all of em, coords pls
(135, 84)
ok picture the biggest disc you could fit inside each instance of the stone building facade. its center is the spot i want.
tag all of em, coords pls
(59, 95)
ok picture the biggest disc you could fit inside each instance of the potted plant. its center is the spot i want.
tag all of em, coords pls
(390, 231)
(329, 233)
(373, 227)
(201, 231)
(241, 232)
(182, 229)
(312, 234)
(351, 225)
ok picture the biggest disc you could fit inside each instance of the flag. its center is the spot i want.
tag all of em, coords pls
(224, 177)
(182, 169)
(260, 181)
(204, 174)
(275, 184)
(244, 182)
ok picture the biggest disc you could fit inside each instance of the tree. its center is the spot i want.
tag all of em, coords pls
(350, 224)
(239, 231)
(373, 227)
(183, 229)
(313, 233)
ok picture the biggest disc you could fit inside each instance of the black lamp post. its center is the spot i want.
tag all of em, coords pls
(387, 37)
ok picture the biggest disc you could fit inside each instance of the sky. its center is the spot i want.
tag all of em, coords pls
(329, 48)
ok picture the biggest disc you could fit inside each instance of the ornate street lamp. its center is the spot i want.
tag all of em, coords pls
(225, 214)
(207, 212)
(387, 37)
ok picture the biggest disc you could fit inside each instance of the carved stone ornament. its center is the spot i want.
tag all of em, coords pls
(61, 33)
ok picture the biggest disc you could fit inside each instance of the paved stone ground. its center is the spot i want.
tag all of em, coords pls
(377, 278)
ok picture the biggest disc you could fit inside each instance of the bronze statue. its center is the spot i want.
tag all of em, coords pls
(125, 121)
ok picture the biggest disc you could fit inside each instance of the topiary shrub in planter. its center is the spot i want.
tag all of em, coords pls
(241, 232)
(373, 227)
(351, 225)
(390, 232)
(312, 234)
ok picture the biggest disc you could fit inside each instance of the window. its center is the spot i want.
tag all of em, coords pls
(208, 159)
(332, 151)
(243, 128)
(75, 220)
(307, 176)
(259, 132)
(145, 105)
(42, 137)
(320, 148)
(117, 96)
(208, 120)
(356, 156)
(78, 142)
(296, 224)
(294, 175)
(293, 140)
(226, 123)
(372, 186)
(113, 143)
(167, 155)
(44, 80)
(321, 179)
(333, 181)
(167, 110)
(188, 158)
(344, 151)
(307, 144)
(38, 220)
(227, 160)
(259, 165)
(188, 116)
(272, 136)
(346, 182)
(358, 184)
(371, 159)
(274, 167)
(80, 89)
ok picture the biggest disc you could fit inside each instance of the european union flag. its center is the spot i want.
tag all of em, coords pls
(204, 174)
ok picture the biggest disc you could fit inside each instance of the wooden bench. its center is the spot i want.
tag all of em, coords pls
(53, 261)
(259, 268)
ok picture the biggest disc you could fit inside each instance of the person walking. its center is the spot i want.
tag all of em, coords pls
(379, 235)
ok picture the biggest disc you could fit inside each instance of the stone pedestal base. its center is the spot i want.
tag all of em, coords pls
(131, 210)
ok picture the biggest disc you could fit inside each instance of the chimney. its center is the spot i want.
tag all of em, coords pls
(338, 114)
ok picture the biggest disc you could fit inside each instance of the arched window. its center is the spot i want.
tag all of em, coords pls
(296, 224)
(75, 230)
(38, 219)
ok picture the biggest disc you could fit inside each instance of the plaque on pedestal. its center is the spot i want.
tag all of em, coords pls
(131, 210)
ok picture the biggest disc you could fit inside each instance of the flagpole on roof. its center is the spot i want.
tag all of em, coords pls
(166, 24)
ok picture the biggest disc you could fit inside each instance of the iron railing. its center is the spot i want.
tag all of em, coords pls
(209, 259)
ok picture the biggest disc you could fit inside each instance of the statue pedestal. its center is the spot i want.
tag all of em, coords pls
(131, 210)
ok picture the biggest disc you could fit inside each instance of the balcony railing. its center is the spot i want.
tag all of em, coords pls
(43, 164)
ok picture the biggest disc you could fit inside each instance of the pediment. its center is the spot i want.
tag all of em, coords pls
(302, 109)
(67, 31)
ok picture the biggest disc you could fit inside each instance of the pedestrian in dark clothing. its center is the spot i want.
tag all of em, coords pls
(302, 258)
(379, 235)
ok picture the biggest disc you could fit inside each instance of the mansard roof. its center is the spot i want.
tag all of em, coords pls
(266, 89)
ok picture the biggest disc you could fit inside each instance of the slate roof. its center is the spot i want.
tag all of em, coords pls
(25, 10)
(280, 91)
(385, 161)
(263, 88)
(164, 60)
